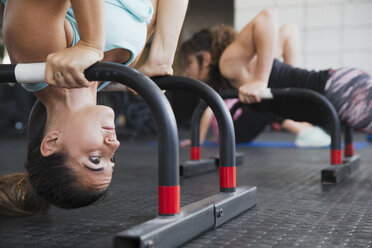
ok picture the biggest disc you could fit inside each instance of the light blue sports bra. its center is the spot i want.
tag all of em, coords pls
(125, 27)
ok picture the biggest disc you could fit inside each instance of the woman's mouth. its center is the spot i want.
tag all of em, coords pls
(110, 128)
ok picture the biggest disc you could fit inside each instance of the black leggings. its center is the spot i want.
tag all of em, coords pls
(252, 122)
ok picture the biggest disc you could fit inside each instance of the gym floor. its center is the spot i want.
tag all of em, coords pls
(293, 208)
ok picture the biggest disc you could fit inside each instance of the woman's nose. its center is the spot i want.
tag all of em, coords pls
(112, 141)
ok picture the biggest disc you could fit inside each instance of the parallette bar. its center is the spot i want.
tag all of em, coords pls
(225, 124)
(168, 173)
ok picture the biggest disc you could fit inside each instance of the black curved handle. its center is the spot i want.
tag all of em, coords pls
(225, 123)
(336, 156)
(159, 105)
(349, 146)
(168, 154)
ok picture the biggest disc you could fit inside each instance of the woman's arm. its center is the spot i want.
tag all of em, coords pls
(205, 122)
(248, 60)
(90, 20)
(71, 62)
(169, 21)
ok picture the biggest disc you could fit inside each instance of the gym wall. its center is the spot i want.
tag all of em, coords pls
(333, 33)
(205, 13)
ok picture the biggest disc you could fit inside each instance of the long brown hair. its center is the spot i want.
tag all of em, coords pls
(17, 196)
(213, 40)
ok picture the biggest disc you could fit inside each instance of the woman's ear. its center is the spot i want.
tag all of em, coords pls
(49, 145)
(207, 59)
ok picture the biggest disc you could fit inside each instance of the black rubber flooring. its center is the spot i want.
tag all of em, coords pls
(293, 209)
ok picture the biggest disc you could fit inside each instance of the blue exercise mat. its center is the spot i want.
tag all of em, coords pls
(284, 144)
(274, 144)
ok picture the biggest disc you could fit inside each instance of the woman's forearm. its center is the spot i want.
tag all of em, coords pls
(169, 22)
(90, 20)
(205, 122)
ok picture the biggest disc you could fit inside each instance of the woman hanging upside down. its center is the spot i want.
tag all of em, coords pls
(248, 122)
(246, 61)
(70, 157)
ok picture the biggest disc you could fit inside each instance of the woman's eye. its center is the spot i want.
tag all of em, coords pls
(95, 159)
(113, 158)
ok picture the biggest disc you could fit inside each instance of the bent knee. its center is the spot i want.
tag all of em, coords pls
(269, 13)
(289, 29)
(266, 17)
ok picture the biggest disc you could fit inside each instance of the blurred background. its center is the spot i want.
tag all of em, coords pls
(333, 33)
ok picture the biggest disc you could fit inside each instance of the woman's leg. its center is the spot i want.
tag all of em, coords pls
(32, 29)
(350, 91)
(294, 126)
(289, 43)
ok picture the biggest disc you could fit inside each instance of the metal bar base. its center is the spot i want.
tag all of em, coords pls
(239, 158)
(194, 219)
(353, 163)
(195, 167)
(335, 174)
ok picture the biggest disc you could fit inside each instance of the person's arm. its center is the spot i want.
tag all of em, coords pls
(247, 62)
(169, 21)
(65, 68)
(205, 122)
(235, 68)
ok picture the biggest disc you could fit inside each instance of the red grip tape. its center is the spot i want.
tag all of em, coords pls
(169, 199)
(336, 157)
(227, 177)
(349, 150)
(195, 153)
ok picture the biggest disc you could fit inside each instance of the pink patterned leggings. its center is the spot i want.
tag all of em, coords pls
(350, 91)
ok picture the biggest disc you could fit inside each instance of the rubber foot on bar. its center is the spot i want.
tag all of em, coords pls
(196, 167)
(239, 158)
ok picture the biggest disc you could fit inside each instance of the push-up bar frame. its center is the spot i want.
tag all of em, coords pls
(329, 175)
(310, 95)
(168, 174)
(224, 120)
(348, 133)
(174, 225)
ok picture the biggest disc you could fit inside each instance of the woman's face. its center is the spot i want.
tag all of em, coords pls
(88, 138)
(195, 70)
